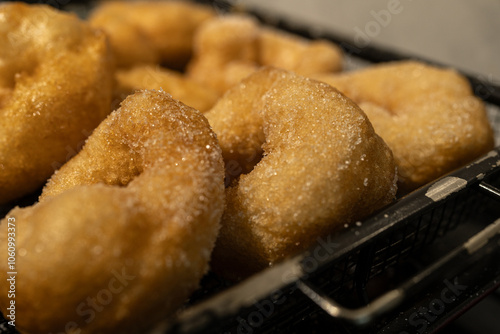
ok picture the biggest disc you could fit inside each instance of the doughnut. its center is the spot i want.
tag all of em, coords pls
(150, 32)
(56, 82)
(239, 45)
(221, 41)
(178, 85)
(321, 166)
(123, 232)
(428, 116)
(297, 54)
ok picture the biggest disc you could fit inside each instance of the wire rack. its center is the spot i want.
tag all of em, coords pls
(376, 267)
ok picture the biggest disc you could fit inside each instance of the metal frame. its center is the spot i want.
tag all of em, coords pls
(361, 253)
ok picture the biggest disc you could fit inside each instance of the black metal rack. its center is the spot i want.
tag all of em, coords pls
(444, 236)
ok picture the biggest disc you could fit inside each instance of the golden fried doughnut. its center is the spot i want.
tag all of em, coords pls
(178, 85)
(133, 217)
(151, 31)
(239, 45)
(220, 41)
(428, 116)
(297, 54)
(322, 166)
(55, 88)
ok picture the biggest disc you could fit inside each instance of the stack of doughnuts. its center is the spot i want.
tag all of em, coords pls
(214, 143)
(228, 48)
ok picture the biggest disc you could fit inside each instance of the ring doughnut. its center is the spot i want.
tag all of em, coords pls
(178, 85)
(322, 166)
(219, 42)
(151, 32)
(55, 88)
(297, 54)
(227, 49)
(133, 216)
(428, 116)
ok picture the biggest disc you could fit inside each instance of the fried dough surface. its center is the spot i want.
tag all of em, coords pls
(178, 85)
(428, 116)
(229, 48)
(132, 218)
(297, 54)
(219, 42)
(151, 32)
(322, 166)
(55, 88)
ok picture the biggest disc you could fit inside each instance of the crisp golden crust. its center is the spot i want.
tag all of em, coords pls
(428, 116)
(55, 88)
(238, 125)
(178, 85)
(322, 166)
(133, 217)
(228, 48)
(151, 31)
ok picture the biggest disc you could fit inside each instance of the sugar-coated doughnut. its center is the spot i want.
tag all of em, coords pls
(219, 42)
(151, 31)
(227, 49)
(178, 85)
(124, 231)
(428, 116)
(297, 54)
(55, 88)
(322, 166)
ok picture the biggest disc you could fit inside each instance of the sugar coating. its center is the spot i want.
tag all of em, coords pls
(145, 196)
(319, 154)
(239, 126)
(428, 116)
(55, 88)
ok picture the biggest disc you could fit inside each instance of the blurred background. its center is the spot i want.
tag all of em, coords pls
(459, 33)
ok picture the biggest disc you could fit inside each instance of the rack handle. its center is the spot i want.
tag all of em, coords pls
(463, 254)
